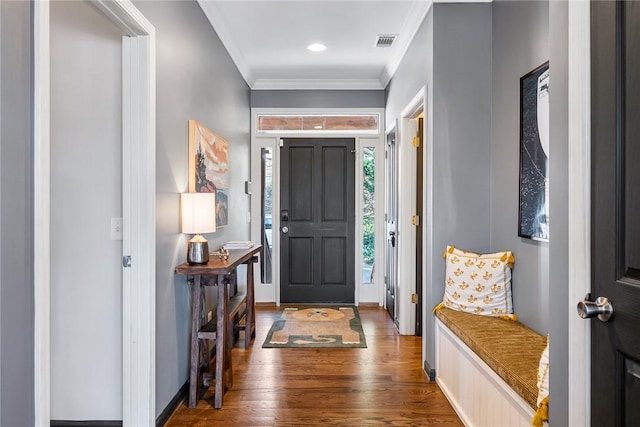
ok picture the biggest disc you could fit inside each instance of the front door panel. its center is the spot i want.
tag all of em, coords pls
(317, 220)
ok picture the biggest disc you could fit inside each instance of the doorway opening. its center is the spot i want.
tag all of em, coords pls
(391, 216)
(407, 215)
(138, 207)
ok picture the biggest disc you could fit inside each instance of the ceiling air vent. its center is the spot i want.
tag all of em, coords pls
(386, 40)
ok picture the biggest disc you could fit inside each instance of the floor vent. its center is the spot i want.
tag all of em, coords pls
(386, 40)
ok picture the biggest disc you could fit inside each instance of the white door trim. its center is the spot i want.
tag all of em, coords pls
(373, 292)
(264, 292)
(138, 207)
(579, 190)
(41, 213)
(406, 232)
(259, 141)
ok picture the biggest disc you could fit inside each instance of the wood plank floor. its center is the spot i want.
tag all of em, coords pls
(380, 385)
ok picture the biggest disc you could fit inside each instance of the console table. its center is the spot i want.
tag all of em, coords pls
(218, 272)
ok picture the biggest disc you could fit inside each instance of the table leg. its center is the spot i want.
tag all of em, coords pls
(195, 349)
(249, 322)
(221, 341)
(228, 365)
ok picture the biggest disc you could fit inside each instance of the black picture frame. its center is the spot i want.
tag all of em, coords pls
(533, 203)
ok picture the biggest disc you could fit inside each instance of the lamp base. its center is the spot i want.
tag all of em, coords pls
(197, 252)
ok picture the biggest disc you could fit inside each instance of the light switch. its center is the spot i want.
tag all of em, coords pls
(116, 228)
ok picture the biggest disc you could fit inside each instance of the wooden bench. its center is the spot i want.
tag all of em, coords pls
(487, 367)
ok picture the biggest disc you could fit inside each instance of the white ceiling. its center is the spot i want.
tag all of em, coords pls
(267, 40)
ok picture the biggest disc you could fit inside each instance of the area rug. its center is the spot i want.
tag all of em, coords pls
(300, 327)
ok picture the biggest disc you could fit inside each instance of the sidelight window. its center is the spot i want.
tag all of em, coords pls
(266, 186)
(368, 214)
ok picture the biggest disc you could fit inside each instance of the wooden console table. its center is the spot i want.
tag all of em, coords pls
(217, 273)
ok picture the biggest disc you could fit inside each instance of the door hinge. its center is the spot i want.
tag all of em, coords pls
(281, 142)
(416, 142)
(414, 298)
(126, 261)
(415, 220)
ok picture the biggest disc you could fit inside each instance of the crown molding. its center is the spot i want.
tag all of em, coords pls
(317, 84)
(213, 14)
(416, 17)
(463, 1)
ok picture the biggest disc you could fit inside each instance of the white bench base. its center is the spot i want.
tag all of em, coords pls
(478, 395)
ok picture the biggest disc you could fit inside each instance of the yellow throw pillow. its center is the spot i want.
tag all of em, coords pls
(478, 283)
(542, 414)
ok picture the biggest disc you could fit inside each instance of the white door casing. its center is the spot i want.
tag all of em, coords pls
(271, 293)
(138, 182)
(406, 232)
(579, 211)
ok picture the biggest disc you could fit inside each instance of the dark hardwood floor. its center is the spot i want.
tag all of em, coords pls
(383, 384)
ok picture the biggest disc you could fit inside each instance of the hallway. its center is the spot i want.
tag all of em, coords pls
(380, 385)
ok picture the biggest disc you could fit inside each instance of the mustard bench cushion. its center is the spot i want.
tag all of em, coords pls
(508, 347)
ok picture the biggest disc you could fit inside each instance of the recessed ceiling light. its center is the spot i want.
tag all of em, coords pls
(316, 47)
(317, 127)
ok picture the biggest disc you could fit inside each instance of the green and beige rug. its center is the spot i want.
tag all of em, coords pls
(337, 327)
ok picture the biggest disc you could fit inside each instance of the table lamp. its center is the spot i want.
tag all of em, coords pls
(198, 217)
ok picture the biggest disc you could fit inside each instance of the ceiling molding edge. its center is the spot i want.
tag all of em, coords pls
(317, 84)
(212, 13)
(416, 17)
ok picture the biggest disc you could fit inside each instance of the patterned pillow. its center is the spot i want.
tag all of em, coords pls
(479, 284)
(542, 414)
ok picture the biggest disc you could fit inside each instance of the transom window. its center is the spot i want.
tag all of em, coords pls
(314, 123)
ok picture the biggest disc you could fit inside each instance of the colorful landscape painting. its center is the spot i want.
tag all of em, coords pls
(209, 167)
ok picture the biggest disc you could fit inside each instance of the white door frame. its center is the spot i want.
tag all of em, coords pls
(406, 232)
(271, 293)
(138, 178)
(579, 210)
(374, 292)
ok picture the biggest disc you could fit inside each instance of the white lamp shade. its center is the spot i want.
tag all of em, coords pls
(198, 213)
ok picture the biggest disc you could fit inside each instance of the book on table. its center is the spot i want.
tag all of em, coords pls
(238, 244)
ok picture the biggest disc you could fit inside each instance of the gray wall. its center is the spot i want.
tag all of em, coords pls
(520, 44)
(317, 98)
(558, 306)
(196, 79)
(457, 74)
(86, 192)
(16, 219)
(461, 140)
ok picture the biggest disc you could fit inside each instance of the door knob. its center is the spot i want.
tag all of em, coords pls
(601, 307)
(285, 230)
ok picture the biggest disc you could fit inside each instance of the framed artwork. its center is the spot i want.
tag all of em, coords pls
(533, 213)
(209, 168)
